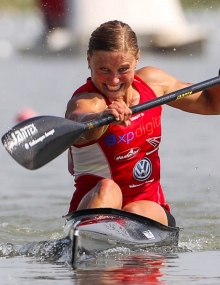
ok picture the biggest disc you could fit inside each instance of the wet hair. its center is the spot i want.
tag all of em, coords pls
(113, 36)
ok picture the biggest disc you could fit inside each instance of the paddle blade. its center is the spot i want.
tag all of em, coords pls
(37, 141)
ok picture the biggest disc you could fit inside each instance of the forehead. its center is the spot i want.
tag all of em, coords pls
(112, 58)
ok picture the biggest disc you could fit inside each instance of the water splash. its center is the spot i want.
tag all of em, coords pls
(52, 250)
(60, 250)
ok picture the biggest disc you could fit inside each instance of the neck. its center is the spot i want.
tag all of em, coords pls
(132, 97)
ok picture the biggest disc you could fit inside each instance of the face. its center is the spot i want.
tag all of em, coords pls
(112, 72)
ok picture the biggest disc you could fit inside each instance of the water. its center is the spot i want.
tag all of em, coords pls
(32, 202)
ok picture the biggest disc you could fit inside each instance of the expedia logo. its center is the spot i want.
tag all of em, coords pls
(142, 169)
(127, 154)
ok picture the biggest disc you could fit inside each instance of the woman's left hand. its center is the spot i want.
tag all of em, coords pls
(120, 111)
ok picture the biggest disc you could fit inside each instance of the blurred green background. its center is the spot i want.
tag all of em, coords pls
(31, 4)
(17, 4)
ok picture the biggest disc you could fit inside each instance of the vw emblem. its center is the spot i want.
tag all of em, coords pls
(142, 169)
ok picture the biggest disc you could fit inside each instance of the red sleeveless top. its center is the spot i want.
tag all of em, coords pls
(128, 155)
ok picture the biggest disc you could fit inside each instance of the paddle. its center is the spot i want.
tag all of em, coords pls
(38, 140)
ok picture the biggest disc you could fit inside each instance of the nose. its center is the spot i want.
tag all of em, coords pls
(115, 79)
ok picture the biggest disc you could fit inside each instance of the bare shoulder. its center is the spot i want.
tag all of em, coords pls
(151, 75)
(160, 81)
(86, 97)
(86, 102)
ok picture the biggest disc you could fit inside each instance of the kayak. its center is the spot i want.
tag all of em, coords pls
(91, 231)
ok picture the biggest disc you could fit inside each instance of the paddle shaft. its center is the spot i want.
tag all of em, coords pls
(176, 95)
(36, 141)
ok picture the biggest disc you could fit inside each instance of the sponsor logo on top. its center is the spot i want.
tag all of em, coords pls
(141, 130)
(133, 118)
(154, 142)
(142, 169)
(127, 154)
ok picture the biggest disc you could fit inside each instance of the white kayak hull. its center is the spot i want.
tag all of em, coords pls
(95, 230)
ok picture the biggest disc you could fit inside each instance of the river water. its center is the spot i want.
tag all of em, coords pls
(32, 202)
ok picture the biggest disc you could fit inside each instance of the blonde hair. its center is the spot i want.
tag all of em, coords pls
(113, 36)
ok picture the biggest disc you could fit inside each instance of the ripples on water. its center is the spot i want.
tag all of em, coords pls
(120, 267)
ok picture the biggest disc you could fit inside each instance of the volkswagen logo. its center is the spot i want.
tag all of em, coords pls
(142, 169)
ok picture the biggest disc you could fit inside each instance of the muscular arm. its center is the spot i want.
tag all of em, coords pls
(206, 102)
(88, 106)
(85, 107)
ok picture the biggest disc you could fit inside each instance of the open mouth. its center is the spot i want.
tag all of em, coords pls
(113, 88)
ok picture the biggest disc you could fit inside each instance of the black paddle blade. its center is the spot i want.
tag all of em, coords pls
(37, 141)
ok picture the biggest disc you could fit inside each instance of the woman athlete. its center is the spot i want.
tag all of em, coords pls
(118, 166)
